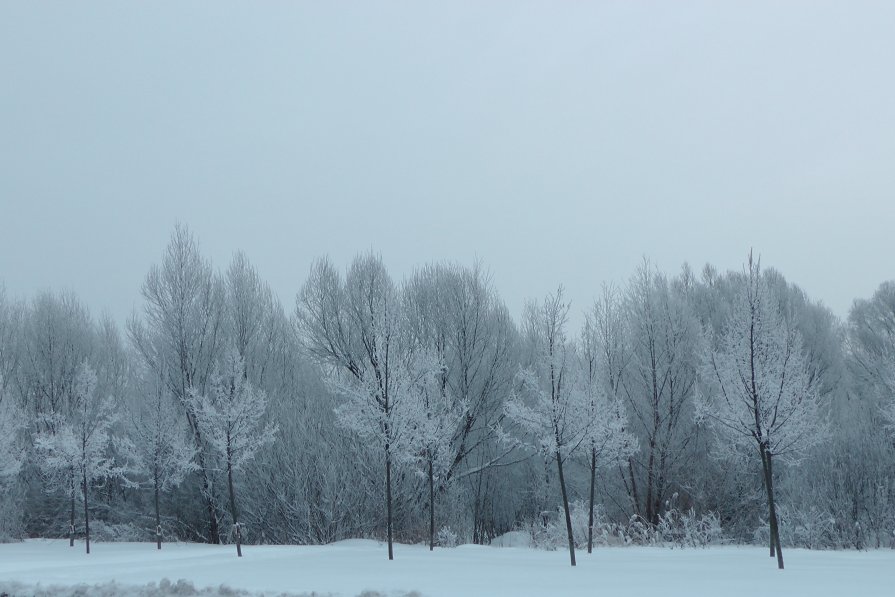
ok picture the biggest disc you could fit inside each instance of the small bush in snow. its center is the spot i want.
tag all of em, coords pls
(549, 530)
(446, 537)
(811, 528)
(686, 529)
(676, 528)
(101, 530)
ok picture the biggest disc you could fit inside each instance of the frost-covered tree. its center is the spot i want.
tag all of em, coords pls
(605, 356)
(11, 452)
(253, 316)
(865, 423)
(432, 416)
(455, 312)
(231, 418)
(180, 337)
(352, 326)
(872, 344)
(11, 419)
(549, 403)
(11, 321)
(760, 391)
(12, 457)
(159, 443)
(658, 382)
(57, 337)
(78, 450)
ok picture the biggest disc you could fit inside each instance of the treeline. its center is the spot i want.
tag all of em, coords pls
(422, 411)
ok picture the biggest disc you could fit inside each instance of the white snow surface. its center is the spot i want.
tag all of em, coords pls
(355, 566)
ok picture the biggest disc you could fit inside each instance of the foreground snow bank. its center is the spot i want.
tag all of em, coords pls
(356, 567)
(165, 588)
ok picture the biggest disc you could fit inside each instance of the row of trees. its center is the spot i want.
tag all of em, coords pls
(398, 410)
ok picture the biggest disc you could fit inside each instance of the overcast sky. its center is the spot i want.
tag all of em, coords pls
(559, 142)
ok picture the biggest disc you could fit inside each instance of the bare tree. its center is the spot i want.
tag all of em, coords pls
(57, 338)
(872, 346)
(160, 447)
(12, 455)
(231, 419)
(80, 447)
(658, 387)
(761, 393)
(454, 312)
(549, 405)
(11, 323)
(432, 417)
(605, 356)
(11, 418)
(180, 337)
(352, 326)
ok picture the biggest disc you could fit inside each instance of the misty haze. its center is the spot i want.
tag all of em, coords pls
(405, 298)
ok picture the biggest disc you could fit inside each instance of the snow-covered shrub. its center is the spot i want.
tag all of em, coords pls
(605, 531)
(683, 528)
(810, 528)
(101, 530)
(686, 529)
(578, 514)
(549, 530)
(636, 532)
(542, 531)
(165, 588)
(675, 529)
(445, 537)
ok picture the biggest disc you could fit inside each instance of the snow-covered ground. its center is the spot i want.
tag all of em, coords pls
(352, 567)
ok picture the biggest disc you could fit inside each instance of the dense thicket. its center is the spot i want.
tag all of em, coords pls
(421, 411)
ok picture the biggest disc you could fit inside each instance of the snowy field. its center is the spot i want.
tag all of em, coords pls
(353, 567)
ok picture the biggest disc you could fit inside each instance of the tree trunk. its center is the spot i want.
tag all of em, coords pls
(590, 514)
(214, 532)
(86, 514)
(71, 525)
(478, 524)
(650, 513)
(764, 481)
(565, 505)
(775, 528)
(635, 496)
(431, 507)
(233, 512)
(388, 499)
(158, 518)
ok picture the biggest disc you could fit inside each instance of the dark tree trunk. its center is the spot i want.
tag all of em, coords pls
(775, 528)
(158, 518)
(86, 513)
(565, 505)
(635, 496)
(71, 525)
(214, 532)
(233, 512)
(388, 499)
(478, 525)
(590, 514)
(764, 481)
(650, 513)
(431, 507)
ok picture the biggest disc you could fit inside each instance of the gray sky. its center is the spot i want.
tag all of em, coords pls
(558, 142)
